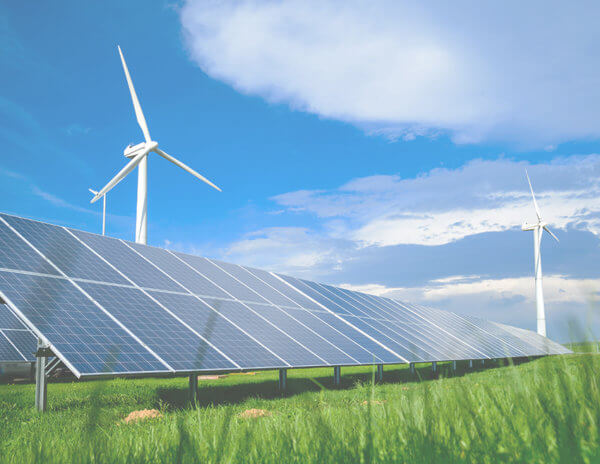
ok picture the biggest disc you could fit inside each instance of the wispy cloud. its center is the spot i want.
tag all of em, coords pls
(446, 205)
(525, 73)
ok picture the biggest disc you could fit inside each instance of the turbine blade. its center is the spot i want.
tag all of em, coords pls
(94, 192)
(120, 176)
(537, 210)
(136, 104)
(550, 232)
(185, 167)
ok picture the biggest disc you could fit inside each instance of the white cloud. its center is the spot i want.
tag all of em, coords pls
(293, 250)
(511, 71)
(447, 205)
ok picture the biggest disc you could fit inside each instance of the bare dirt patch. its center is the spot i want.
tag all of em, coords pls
(252, 413)
(211, 377)
(374, 402)
(141, 415)
(243, 373)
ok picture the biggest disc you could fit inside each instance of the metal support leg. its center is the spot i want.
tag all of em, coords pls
(41, 388)
(454, 367)
(194, 393)
(411, 366)
(379, 376)
(282, 385)
(337, 375)
(470, 364)
(434, 367)
(483, 363)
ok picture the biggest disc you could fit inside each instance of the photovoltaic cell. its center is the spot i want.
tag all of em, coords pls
(16, 254)
(60, 247)
(281, 344)
(128, 262)
(24, 341)
(257, 285)
(181, 272)
(8, 320)
(221, 278)
(91, 341)
(216, 329)
(343, 342)
(281, 286)
(8, 353)
(319, 346)
(181, 348)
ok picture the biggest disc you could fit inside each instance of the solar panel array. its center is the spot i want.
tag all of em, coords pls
(17, 342)
(108, 306)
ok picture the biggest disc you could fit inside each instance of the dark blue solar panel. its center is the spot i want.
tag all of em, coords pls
(312, 290)
(180, 271)
(503, 335)
(221, 278)
(417, 335)
(281, 344)
(181, 348)
(260, 287)
(24, 341)
(8, 353)
(8, 320)
(291, 292)
(343, 342)
(468, 333)
(221, 333)
(16, 254)
(128, 262)
(387, 337)
(319, 346)
(373, 347)
(65, 251)
(77, 328)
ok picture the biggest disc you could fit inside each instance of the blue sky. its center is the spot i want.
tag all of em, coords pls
(379, 146)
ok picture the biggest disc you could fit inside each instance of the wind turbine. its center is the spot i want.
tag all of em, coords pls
(103, 210)
(538, 230)
(138, 155)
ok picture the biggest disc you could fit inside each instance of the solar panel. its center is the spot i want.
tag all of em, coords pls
(106, 306)
(17, 342)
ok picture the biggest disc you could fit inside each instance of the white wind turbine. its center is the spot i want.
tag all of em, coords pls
(538, 230)
(138, 154)
(93, 192)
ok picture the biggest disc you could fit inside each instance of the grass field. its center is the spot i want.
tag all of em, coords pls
(547, 410)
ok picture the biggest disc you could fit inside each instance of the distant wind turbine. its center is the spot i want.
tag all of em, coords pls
(138, 154)
(94, 192)
(538, 230)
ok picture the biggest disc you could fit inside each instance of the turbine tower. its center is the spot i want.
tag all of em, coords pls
(93, 192)
(538, 229)
(138, 155)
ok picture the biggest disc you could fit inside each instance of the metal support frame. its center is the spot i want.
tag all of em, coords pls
(411, 366)
(41, 387)
(282, 384)
(193, 392)
(434, 368)
(483, 363)
(470, 364)
(337, 375)
(454, 367)
(379, 375)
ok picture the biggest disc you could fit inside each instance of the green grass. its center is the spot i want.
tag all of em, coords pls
(545, 411)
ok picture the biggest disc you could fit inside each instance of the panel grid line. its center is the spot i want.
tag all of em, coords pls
(154, 299)
(293, 316)
(13, 345)
(343, 320)
(203, 302)
(54, 349)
